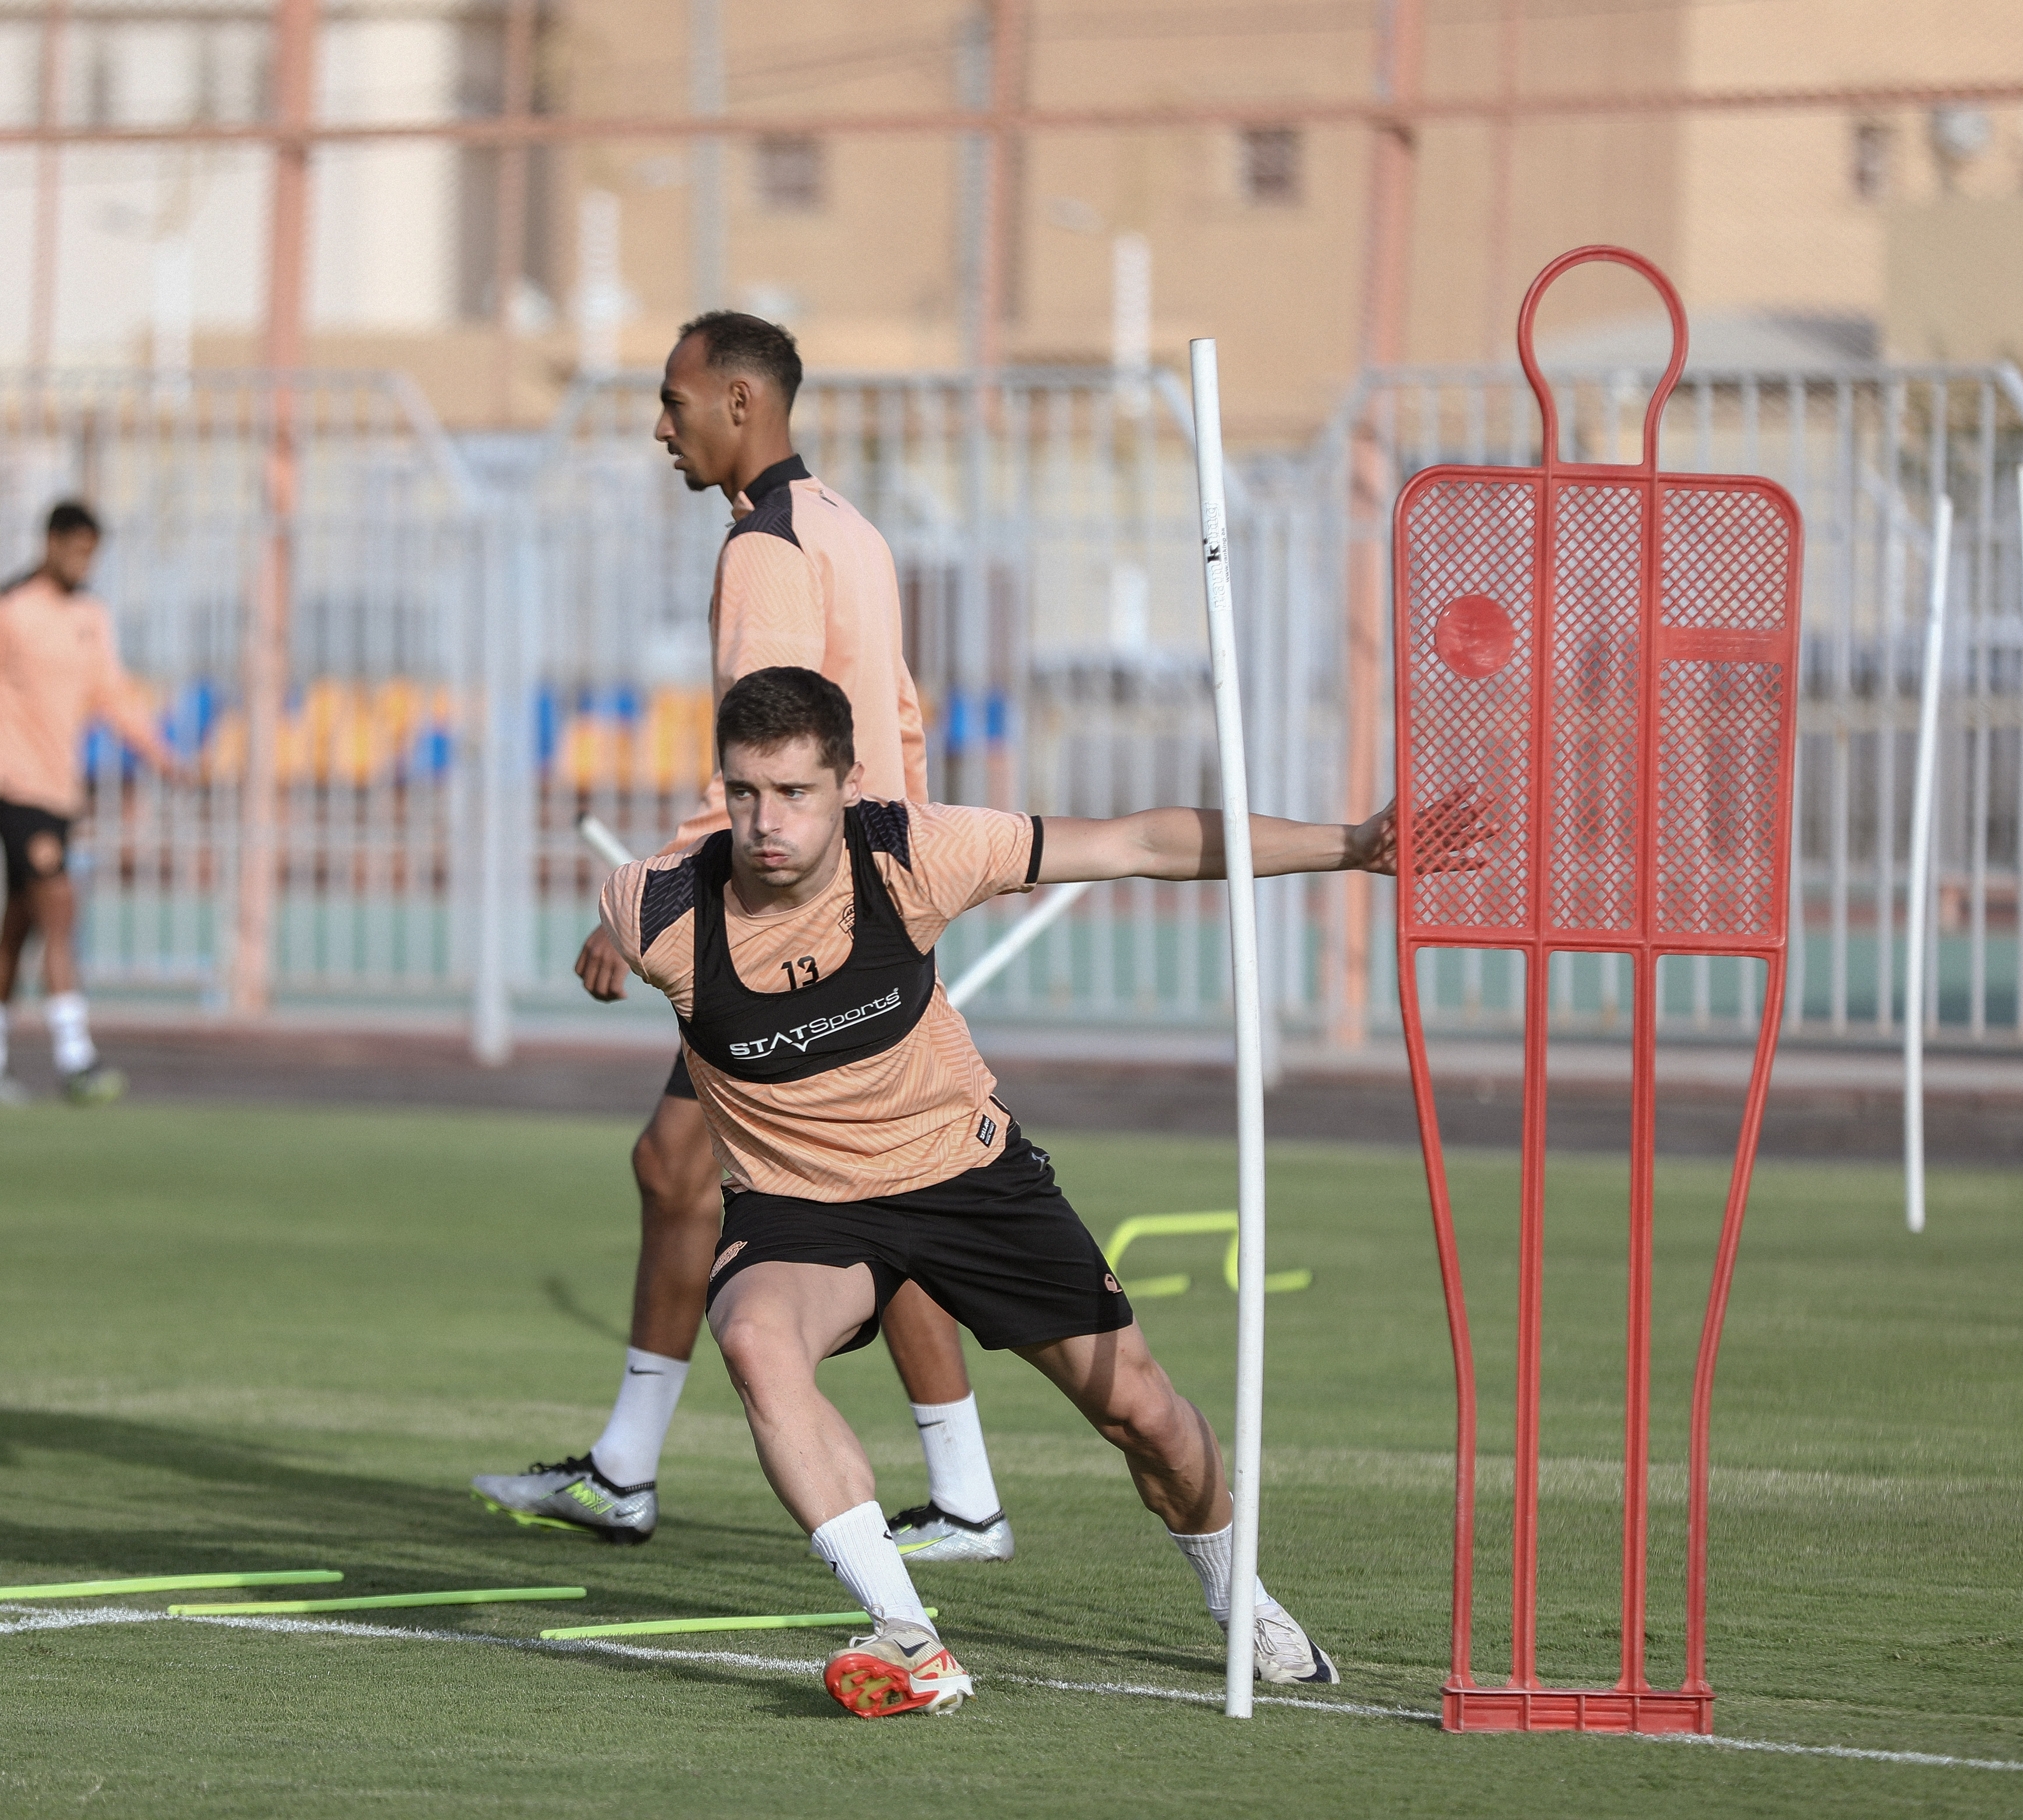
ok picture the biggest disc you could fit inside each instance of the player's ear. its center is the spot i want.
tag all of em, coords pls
(853, 784)
(737, 400)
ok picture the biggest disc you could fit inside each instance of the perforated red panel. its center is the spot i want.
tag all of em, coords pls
(1591, 782)
(1720, 826)
(1727, 554)
(1472, 543)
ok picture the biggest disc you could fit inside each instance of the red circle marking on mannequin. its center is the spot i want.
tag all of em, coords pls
(1474, 636)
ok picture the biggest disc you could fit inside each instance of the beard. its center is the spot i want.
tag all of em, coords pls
(694, 483)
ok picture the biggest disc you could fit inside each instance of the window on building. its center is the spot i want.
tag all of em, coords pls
(1871, 160)
(1271, 164)
(790, 172)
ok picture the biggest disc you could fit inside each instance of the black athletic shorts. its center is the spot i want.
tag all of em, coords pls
(37, 842)
(679, 1086)
(999, 1247)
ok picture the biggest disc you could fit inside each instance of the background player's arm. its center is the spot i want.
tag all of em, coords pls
(117, 700)
(1187, 844)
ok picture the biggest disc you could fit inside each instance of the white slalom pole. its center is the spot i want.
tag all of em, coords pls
(602, 842)
(1921, 872)
(1016, 941)
(1249, 1033)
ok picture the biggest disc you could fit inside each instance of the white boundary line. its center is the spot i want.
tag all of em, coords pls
(35, 1620)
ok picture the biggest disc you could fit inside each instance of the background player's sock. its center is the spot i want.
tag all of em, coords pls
(3, 1039)
(861, 1554)
(628, 1452)
(1212, 1557)
(70, 1032)
(958, 1463)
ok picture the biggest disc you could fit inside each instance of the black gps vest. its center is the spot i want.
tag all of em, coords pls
(870, 1003)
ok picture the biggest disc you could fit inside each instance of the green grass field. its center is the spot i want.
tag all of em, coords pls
(254, 1339)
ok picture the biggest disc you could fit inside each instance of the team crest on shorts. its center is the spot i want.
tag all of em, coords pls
(729, 1252)
(1110, 1283)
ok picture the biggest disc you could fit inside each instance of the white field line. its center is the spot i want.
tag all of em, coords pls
(43, 1619)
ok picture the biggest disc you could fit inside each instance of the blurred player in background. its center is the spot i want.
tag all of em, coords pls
(869, 1154)
(60, 671)
(803, 579)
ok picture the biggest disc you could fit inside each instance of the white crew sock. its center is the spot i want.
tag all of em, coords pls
(70, 1032)
(628, 1452)
(3, 1039)
(958, 1463)
(1212, 1557)
(861, 1554)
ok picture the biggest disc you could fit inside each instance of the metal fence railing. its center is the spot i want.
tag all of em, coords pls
(484, 637)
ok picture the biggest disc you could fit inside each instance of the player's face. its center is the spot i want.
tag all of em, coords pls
(786, 814)
(702, 410)
(70, 557)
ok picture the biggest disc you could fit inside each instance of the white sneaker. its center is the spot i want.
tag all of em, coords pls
(1285, 1652)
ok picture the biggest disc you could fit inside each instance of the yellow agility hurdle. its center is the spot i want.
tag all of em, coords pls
(1183, 1225)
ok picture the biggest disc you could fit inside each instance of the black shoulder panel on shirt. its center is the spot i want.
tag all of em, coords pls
(668, 897)
(887, 827)
(774, 515)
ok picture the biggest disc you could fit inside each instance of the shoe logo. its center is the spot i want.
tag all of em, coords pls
(588, 1495)
(725, 1256)
(1110, 1283)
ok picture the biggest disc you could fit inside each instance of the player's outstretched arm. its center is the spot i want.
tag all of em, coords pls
(1187, 844)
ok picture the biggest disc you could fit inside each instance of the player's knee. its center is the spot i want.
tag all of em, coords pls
(1145, 1416)
(760, 1354)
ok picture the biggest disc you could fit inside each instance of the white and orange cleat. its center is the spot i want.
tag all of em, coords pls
(901, 1667)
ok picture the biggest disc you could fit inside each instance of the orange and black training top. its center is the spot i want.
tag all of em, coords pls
(805, 579)
(803, 1094)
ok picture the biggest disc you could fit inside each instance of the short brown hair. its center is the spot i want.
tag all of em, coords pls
(749, 344)
(769, 708)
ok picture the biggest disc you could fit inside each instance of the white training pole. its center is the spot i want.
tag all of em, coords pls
(1921, 872)
(602, 842)
(1016, 941)
(1249, 1033)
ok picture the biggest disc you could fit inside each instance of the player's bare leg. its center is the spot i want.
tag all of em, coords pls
(1175, 1462)
(48, 906)
(962, 1519)
(680, 1212)
(774, 1323)
(611, 1491)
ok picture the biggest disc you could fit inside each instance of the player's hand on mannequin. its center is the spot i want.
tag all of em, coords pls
(1446, 836)
(600, 967)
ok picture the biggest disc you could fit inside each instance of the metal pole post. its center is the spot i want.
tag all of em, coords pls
(1920, 885)
(509, 229)
(498, 636)
(49, 187)
(1249, 1031)
(1386, 268)
(265, 663)
(709, 257)
(1008, 20)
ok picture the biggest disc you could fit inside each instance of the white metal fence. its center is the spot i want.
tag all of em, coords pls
(486, 637)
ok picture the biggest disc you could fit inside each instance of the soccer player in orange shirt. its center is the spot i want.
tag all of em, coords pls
(867, 1152)
(803, 579)
(60, 671)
